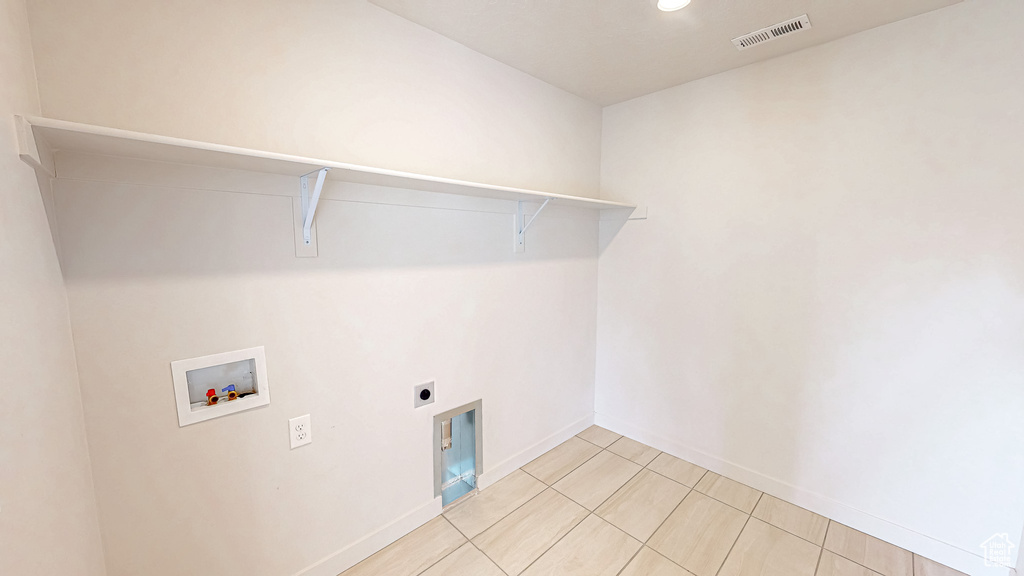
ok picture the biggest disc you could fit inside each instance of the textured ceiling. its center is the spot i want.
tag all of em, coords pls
(608, 51)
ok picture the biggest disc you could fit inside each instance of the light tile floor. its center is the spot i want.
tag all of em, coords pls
(602, 504)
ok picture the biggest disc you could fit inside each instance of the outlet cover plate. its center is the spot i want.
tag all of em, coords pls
(300, 431)
(418, 399)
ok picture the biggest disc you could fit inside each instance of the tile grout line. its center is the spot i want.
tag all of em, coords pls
(555, 543)
(560, 478)
(471, 543)
(855, 562)
(439, 559)
(726, 503)
(620, 437)
(822, 545)
(756, 504)
(671, 561)
(546, 488)
(571, 528)
(655, 550)
(614, 492)
(528, 474)
(827, 530)
(733, 547)
(821, 553)
(751, 513)
(643, 544)
(730, 505)
(670, 478)
(742, 530)
(690, 490)
(500, 569)
(552, 485)
(594, 512)
(531, 499)
(631, 558)
(667, 517)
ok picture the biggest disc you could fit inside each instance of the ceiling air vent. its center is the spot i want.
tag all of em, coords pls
(772, 32)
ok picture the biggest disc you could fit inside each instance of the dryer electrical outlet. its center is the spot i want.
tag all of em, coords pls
(423, 394)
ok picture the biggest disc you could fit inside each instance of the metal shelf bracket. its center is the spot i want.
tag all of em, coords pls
(521, 225)
(309, 202)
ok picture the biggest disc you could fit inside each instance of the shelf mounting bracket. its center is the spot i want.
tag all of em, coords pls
(309, 202)
(521, 225)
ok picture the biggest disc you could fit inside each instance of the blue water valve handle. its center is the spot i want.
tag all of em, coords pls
(228, 389)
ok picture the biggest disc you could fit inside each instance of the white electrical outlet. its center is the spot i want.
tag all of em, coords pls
(300, 431)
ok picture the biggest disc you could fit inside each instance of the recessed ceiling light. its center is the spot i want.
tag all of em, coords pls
(672, 5)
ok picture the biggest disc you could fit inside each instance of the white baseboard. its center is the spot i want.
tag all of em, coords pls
(510, 465)
(942, 552)
(372, 543)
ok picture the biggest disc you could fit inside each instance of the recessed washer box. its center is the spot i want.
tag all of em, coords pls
(220, 384)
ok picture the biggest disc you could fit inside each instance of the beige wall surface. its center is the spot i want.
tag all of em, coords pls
(335, 79)
(161, 269)
(828, 297)
(48, 523)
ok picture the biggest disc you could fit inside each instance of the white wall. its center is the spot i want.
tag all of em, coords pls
(178, 264)
(336, 79)
(825, 302)
(48, 523)
(828, 297)
(161, 269)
